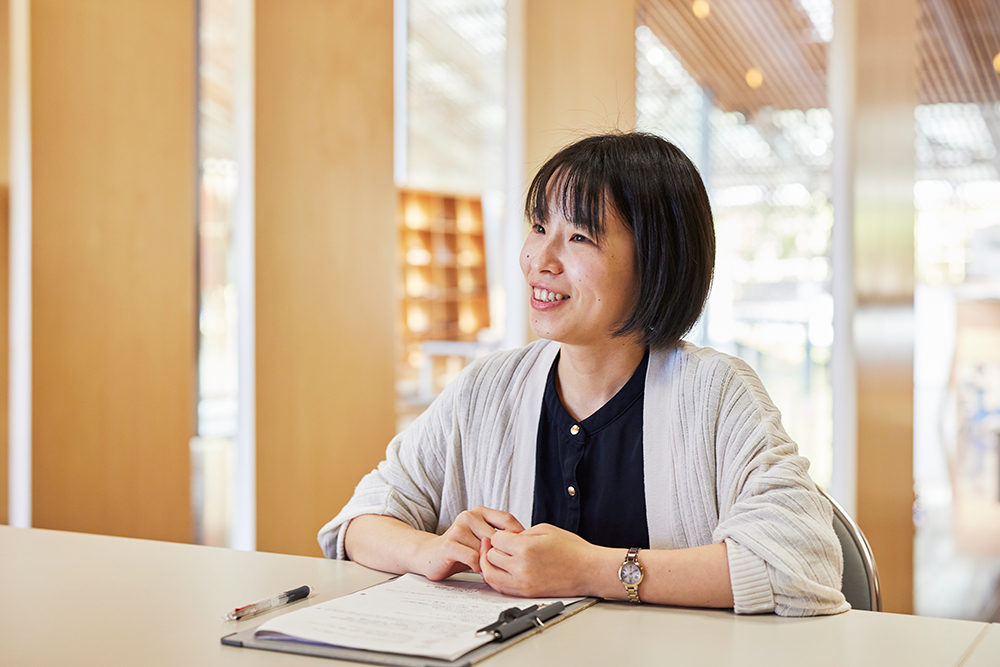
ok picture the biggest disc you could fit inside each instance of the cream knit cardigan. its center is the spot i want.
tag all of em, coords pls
(717, 464)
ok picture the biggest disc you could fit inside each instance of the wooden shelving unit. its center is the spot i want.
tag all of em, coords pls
(444, 290)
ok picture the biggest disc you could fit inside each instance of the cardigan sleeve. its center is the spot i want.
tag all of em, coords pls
(409, 483)
(784, 555)
(459, 453)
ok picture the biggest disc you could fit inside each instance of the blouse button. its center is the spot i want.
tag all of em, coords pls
(574, 429)
(571, 490)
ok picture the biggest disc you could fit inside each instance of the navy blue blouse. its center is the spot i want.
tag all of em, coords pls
(589, 474)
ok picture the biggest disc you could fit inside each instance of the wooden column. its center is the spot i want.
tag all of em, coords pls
(326, 250)
(873, 97)
(113, 172)
(577, 59)
(579, 71)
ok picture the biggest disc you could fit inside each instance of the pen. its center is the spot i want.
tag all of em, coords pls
(260, 606)
(514, 621)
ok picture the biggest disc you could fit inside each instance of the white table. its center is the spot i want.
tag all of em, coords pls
(70, 598)
(75, 599)
(986, 652)
(615, 634)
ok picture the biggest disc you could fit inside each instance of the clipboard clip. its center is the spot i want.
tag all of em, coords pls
(514, 621)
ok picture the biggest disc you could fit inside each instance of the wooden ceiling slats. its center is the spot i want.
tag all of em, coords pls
(963, 84)
(802, 83)
(684, 43)
(712, 68)
(778, 79)
(791, 28)
(929, 79)
(985, 47)
(775, 90)
(931, 58)
(956, 43)
(785, 60)
(987, 35)
(714, 30)
(972, 54)
(815, 51)
(791, 77)
(728, 82)
(970, 32)
(934, 58)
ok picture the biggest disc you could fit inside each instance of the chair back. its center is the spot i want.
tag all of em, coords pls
(860, 585)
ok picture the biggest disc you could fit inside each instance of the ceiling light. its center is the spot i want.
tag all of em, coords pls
(754, 78)
(701, 8)
(996, 62)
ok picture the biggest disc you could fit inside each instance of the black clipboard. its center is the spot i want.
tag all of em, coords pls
(248, 639)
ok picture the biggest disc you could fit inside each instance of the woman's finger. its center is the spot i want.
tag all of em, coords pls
(475, 524)
(483, 522)
(464, 536)
(501, 560)
(508, 542)
(491, 573)
(462, 553)
(501, 520)
(500, 579)
(469, 528)
(451, 557)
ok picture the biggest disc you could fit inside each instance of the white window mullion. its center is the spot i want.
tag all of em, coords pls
(19, 448)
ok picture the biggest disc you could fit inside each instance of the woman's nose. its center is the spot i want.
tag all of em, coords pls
(546, 257)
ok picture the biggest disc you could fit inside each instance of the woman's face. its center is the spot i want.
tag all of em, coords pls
(581, 291)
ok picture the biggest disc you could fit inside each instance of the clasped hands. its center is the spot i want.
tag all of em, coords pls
(541, 561)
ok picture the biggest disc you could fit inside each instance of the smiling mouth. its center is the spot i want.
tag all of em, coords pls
(545, 295)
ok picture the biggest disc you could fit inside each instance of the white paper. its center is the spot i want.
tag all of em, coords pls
(409, 615)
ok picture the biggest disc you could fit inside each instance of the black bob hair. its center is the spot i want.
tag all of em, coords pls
(656, 191)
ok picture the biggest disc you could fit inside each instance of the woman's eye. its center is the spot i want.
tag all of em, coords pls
(580, 238)
(537, 228)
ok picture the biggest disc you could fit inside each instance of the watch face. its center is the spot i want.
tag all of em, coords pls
(630, 573)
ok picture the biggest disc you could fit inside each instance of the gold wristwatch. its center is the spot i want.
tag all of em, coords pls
(630, 574)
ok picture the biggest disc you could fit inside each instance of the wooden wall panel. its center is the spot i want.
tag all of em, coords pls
(884, 173)
(113, 265)
(326, 272)
(579, 72)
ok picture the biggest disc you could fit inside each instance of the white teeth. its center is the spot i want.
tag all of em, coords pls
(545, 295)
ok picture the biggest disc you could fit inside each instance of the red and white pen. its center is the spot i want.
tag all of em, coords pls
(267, 604)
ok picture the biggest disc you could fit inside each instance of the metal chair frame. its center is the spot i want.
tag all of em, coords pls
(863, 548)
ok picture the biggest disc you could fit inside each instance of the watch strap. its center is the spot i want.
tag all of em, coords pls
(632, 557)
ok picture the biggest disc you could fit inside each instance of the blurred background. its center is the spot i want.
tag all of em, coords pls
(250, 241)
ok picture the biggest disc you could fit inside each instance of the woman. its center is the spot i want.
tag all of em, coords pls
(610, 458)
